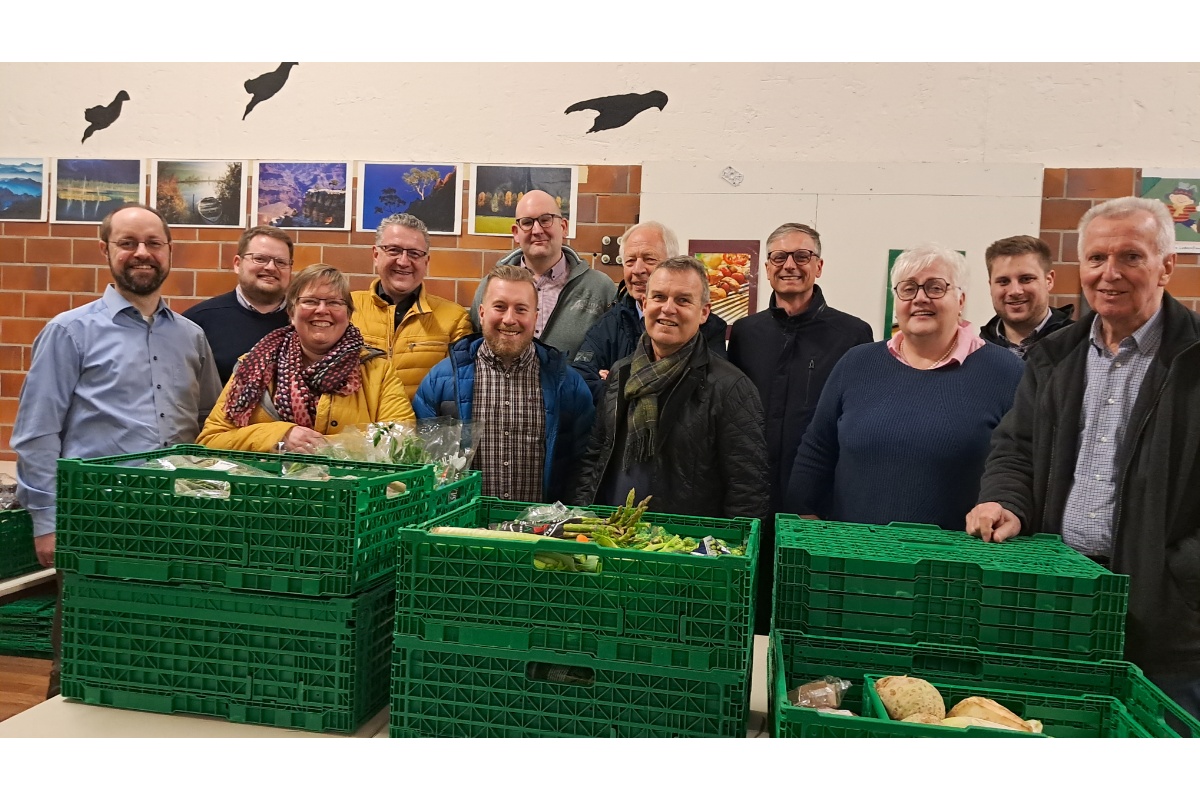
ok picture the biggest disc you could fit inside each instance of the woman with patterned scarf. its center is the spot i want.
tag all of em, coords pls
(310, 378)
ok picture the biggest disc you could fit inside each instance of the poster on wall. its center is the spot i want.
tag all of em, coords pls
(302, 194)
(200, 193)
(23, 196)
(497, 188)
(430, 192)
(87, 189)
(1179, 190)
(732, 267)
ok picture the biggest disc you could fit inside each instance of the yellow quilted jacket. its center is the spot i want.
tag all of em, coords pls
(381, 399)
(423, 337)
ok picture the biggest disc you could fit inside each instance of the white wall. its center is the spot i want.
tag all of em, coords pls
(861, 210)
(1068, 115)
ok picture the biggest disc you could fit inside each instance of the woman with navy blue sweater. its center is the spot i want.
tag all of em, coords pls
(903, 427)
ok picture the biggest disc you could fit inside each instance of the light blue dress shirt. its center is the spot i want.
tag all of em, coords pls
(103, 381)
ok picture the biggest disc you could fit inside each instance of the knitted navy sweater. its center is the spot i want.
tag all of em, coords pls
(232, 329)
(890, 443)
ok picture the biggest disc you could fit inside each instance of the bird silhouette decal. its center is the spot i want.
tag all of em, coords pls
(265, 86)
(618, 109)
(103, 116)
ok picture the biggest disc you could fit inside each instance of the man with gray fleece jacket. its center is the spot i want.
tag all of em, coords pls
(571, 295)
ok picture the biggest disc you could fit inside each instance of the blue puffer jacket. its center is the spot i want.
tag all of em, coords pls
(449, 388)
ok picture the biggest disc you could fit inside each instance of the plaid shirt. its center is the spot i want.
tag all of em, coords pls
(512, 444)
(1113, 382)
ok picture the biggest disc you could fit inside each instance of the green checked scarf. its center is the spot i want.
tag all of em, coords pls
(647, 380)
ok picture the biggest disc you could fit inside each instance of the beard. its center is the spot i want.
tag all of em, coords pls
(139, 282)
(508, 347)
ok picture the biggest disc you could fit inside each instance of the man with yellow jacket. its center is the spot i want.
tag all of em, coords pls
(396, 314)
(307, 380)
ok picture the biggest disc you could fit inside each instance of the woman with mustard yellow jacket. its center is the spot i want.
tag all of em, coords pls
(311, 378)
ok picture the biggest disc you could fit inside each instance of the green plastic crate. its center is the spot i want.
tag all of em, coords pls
(1120, 699)
(461, 691)
(320, 664)
(318, 538)
(17, 555)
(456, 494)
(25, 627)
(666, 609)
(908, 584)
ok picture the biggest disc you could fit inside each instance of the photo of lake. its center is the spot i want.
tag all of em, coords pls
(88, 189)
(200, 193)
(22, 189)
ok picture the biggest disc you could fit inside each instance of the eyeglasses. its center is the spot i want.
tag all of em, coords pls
(313, 303)
(801, 257)
(131, 245)
(260, 260)
(394, 251)
(526, 223)
(934, 288)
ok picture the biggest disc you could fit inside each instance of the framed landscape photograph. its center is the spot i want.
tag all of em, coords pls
(87, 189)
(23, 196)
(302, 194)
(497, 188)
(200, 193)
(430, 192)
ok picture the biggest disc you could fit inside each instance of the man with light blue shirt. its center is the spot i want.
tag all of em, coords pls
(122, 374)
(1102, 444)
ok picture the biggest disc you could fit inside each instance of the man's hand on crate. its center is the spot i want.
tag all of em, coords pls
(44, 547)
(992, 522)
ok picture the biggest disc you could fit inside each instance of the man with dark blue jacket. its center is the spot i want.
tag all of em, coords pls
(643, 247)
(531, 413)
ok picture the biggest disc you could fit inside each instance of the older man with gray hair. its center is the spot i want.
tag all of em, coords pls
(1102, 442)
(397, 314)
(643, 247)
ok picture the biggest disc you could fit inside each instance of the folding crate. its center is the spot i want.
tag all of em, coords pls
(17, 555)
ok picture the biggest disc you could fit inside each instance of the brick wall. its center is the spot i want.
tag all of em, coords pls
(46, 269)
(1067, 194)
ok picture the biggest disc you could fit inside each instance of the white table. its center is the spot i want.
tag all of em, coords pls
(69, 718)
(27, 581)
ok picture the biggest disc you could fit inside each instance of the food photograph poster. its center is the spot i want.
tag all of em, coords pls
(732, 269)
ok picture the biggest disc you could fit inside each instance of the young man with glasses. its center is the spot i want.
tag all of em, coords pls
(397, 314)
(235, 321)
(788, 351)
(571, 295)
(122, 374)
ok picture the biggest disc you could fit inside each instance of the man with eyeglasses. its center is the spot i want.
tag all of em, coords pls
(788, 351)
(235, 321)
(616, 333)
(571, 295)
(397, 314)
(122, 374)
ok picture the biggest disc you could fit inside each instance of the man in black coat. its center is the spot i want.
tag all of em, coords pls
(788, 352)
(1021, 277)
(1101, 443)
(643, 247)
(675, 422)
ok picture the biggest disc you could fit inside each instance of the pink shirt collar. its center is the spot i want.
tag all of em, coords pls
(968, 342)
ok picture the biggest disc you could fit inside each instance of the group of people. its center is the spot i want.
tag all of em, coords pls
(580, 389)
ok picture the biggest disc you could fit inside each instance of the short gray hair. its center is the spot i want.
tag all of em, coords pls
(796, 227)
(404, 221)
(910, 262)
(1127, 207)
(670, 240)
(689, 264)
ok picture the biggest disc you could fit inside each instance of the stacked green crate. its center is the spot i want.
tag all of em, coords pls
(270, 602)
(900, 587)
(648, 644)
(17, 556)
(25, 627)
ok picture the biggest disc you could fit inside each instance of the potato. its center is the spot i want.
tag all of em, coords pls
(903, 696)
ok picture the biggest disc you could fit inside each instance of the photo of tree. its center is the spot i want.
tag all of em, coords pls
(303, 194)
(87, 189)
(200, 193)
(497, 188)
(22, 189)
(430, 192)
